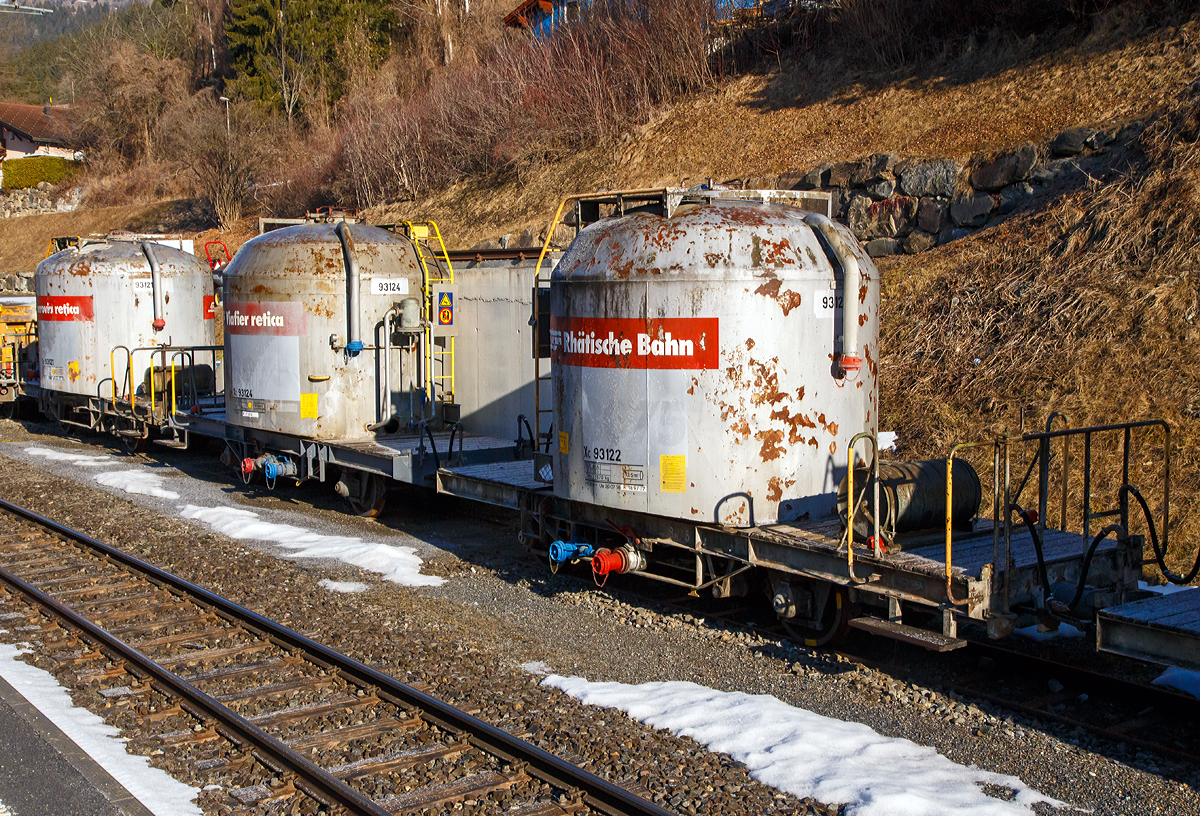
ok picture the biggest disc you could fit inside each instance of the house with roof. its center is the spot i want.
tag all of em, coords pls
(35, 130)
(542, 17)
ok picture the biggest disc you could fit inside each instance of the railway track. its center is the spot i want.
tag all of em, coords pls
(279, 722)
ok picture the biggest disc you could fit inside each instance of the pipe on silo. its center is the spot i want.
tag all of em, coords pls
(354, 343)
(156, 285)
(836, 247)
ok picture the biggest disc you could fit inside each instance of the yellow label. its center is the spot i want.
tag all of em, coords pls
(564, 443)
(419, 231)
(73, 370)
(6, 354)
(308, 406)
(672, 474)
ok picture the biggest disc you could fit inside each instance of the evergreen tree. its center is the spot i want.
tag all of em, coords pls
(283, 51)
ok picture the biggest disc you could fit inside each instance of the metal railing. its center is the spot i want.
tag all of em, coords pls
(1007, 498)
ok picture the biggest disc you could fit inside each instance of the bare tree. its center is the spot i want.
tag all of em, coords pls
(224, 157)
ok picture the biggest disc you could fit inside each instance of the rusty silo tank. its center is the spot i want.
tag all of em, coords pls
(714, 365)
(304, 308)
(100, 296)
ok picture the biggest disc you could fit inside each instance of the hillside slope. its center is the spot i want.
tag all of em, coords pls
(787, 121)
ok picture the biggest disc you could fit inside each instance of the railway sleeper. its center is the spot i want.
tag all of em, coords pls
(326, 740)
(314, 710)
(276, 689)
(396, 761)
(466, 788)
(214, 654)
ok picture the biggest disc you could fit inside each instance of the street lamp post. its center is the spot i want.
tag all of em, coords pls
(225, 99)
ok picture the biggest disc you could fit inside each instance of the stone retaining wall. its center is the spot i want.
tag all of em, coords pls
(16, 283)
(39, 200)
(896, 205)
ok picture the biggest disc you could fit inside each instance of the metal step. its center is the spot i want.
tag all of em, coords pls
(178, 444)
(933, 641)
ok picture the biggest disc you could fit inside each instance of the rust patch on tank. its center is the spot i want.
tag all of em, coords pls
(770, 444)
(774, 489)
(756, 255)
(800, 394)
(713, 259)
(813, 441)
(742, 428)
(862, 294)
(862, 320)
(833, 446)
(831, 428)
(749, 343)
(786, 298)
(767, 382)
(794, 423)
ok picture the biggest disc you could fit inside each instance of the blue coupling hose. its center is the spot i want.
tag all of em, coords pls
(561, 551)
(273, 468)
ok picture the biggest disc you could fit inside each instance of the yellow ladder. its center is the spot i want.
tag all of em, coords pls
(420, 233)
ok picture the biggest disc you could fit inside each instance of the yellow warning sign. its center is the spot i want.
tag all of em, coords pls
(446, 300)
(564, 443)
(308, 406)
(445, 309)
(672, 473)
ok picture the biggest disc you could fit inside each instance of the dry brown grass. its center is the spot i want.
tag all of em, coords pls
(1089, 306)
(24, 240)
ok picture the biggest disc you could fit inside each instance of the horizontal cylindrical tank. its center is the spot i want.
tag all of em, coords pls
(102, 295)
(912, 496)
(698, 362)
(294, 299)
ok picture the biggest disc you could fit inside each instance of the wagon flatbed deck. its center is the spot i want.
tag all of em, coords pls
(409, 457)
(815, 549)
(1163, 629)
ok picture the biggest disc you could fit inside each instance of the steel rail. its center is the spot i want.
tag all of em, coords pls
(312, 778)
(599, 794)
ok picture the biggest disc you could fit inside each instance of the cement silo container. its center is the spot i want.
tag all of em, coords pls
(114, 299)
(712, 366)
(305, 351)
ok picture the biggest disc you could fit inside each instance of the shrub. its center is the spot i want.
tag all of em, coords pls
(19, 174)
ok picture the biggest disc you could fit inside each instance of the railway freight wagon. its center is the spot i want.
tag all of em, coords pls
(713, 425)
(18, 349)
(361, 347)
(119, 324)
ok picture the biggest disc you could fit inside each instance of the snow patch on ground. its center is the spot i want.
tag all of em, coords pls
(154, 788)
(536, 667)
(1165, 589)
(1065, 630)
(887, 440)
(400, 565)
(807, 754)
(53, 455)
(343, 586)
(136, 481)
(1180, 679)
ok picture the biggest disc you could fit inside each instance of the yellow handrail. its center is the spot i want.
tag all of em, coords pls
(950, 514)
(852, 503)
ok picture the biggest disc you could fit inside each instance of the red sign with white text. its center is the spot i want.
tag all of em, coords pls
(65, 307)
(608, 342)
(209, 304)
(286, 318)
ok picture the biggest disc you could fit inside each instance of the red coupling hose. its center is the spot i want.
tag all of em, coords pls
(850, 362)
(247, 465)
(606, 561)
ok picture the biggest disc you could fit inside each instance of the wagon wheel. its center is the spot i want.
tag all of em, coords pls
(133, 444)
(835, 622)
(372, 495)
